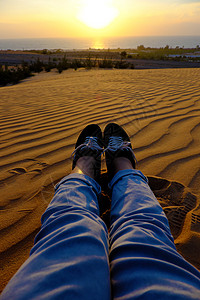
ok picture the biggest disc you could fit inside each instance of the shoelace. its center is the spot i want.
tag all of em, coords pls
(117, 143)
(90, 142)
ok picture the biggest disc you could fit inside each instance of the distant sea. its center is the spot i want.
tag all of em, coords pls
(99, 43)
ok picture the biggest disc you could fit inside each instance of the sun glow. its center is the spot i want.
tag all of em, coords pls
(97, 14)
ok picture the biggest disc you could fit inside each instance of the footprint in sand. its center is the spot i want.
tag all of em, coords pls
(18, 171)
(37, 162)
(37, 171)
(175, 200)
(195, 219)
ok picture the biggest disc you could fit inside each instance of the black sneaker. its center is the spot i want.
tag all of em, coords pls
(117, 144)
(89, 143)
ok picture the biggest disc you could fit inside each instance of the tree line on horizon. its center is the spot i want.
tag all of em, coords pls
(118, 59)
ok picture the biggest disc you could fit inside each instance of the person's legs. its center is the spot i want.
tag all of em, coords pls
(143, 258)
(144, 261)
(70, 257)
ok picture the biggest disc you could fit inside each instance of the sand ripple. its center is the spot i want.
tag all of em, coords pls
(41, 118)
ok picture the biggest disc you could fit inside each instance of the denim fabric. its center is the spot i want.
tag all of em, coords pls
(70, 258)
(144, 261)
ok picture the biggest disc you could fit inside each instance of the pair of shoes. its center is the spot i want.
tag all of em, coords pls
(115, 143)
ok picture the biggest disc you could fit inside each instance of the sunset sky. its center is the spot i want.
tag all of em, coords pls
(88, 18)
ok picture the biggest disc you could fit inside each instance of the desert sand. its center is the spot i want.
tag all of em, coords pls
(41, 118)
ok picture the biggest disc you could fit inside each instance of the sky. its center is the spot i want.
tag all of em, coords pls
(93, 18)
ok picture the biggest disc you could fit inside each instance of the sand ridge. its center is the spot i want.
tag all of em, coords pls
(41, 118)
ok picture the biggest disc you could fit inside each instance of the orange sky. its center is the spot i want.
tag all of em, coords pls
(93, 18)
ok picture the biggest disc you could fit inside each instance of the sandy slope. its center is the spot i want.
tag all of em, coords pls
(39, 123)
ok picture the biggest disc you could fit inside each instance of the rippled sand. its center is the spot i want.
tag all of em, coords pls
(41, 118)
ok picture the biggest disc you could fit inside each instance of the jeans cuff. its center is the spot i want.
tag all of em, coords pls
(81, 178)
(124, 173)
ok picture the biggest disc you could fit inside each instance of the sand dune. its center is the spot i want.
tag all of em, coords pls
(41, 118)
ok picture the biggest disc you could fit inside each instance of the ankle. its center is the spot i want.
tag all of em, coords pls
(85, 165)
(119, 164)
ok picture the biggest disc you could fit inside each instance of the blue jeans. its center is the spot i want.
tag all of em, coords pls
(74, 257)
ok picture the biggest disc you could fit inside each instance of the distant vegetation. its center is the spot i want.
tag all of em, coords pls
(142, 52)
(92, 58)
(165, 53)
(12, 75)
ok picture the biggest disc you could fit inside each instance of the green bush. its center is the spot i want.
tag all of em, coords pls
(13, 75)
(106, 64)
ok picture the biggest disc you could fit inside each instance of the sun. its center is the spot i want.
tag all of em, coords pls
(97, 14)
